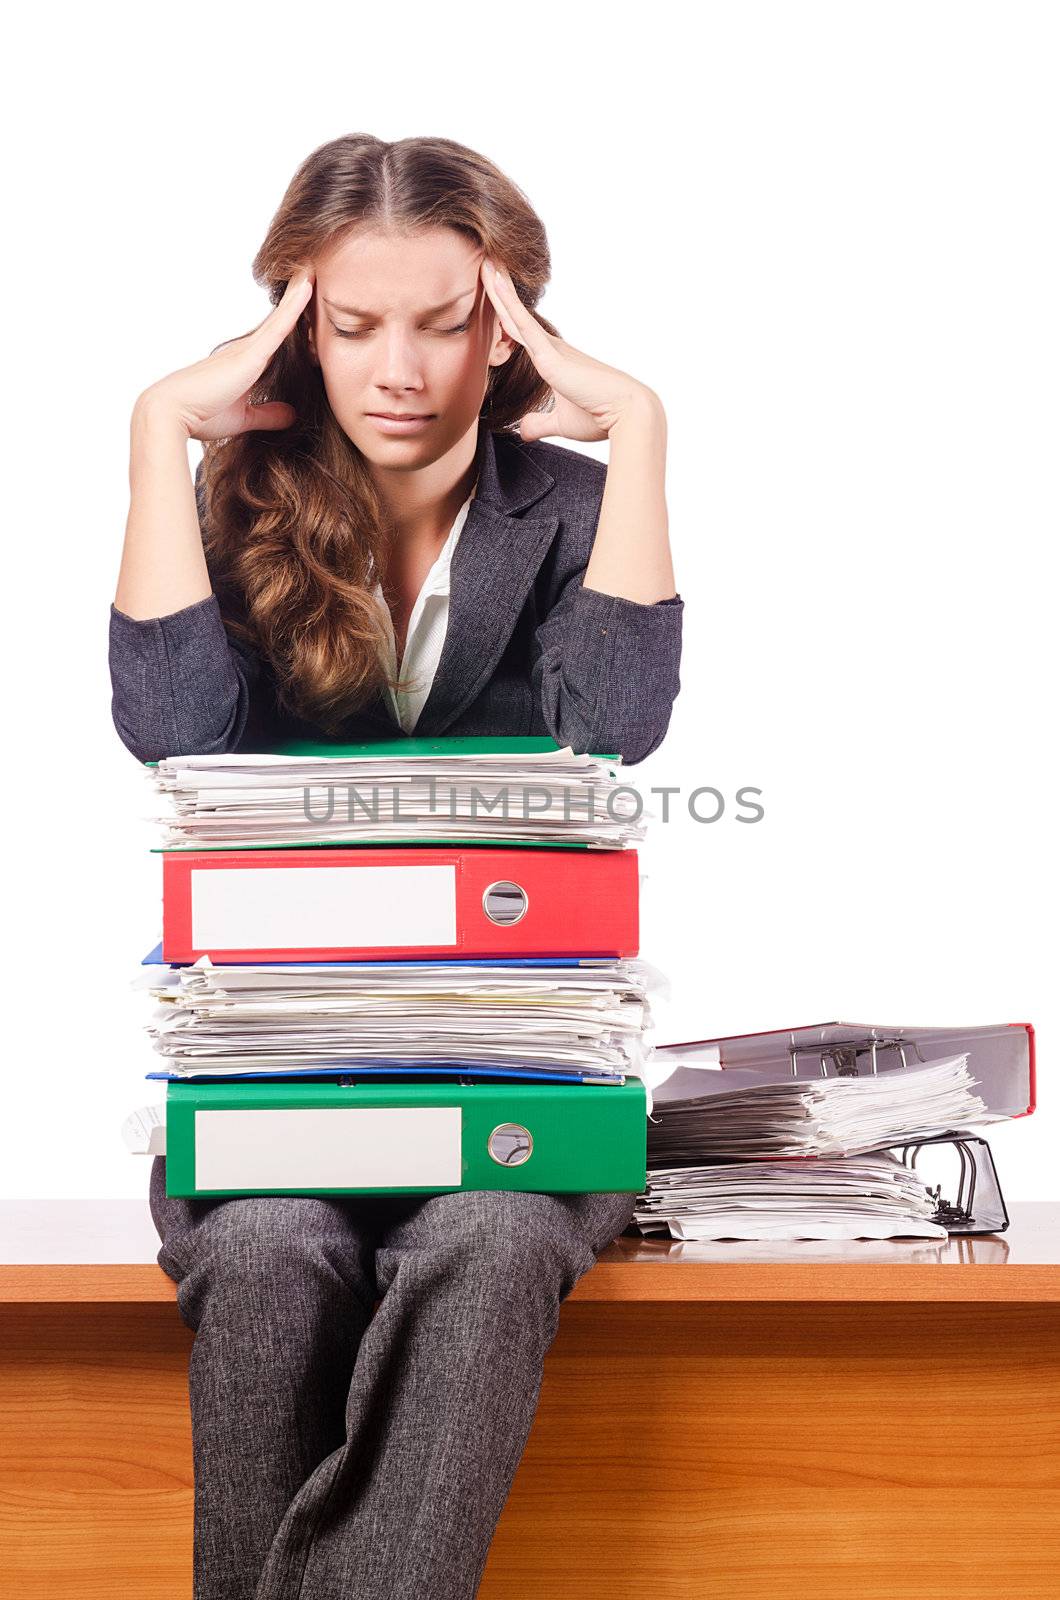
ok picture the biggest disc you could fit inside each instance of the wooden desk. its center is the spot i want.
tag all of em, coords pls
(716, 1421)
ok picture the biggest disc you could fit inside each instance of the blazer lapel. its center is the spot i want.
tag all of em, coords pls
(496, 560)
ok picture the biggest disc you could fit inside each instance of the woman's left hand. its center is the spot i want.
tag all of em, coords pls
(589, 396)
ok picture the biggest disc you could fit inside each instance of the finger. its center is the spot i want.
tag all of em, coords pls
(269, 416)
(537, 425)
(527, 328)
(285, 313)
(507, 326)
(523, 325)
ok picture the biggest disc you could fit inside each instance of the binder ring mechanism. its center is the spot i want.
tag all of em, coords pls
(505, 903)
(843, 1055)
(980, 1205)
(510, 1144)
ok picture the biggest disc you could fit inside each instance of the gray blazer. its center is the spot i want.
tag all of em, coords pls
(527, 649)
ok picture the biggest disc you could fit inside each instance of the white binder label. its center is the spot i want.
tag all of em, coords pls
(328, 1147)
(275, 908)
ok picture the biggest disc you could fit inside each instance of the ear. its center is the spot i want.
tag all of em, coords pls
(502, 347)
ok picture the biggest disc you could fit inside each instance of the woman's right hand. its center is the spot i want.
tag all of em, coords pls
(209, 399)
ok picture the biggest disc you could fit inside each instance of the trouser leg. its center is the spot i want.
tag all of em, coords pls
(278, 1290)
(443, 1396)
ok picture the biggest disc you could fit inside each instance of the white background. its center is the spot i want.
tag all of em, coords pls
(827, 235)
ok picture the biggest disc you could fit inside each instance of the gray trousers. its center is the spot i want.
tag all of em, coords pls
(340, 1455)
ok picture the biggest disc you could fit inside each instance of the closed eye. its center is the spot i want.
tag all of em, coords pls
(359, 333)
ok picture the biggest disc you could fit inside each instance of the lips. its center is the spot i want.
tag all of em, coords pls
(402, 416)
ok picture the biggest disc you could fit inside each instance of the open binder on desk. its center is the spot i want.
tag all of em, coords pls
(1000, 1060)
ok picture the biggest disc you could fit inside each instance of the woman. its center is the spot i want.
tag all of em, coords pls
(524, 588)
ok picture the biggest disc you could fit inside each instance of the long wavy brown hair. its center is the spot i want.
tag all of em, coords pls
(293, 527)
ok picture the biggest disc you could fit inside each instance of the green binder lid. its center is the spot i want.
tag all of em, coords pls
(528, 744)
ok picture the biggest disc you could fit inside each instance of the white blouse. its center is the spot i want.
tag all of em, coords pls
(426, 630)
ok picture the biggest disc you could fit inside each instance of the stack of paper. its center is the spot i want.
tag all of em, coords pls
(734, 1116)
(580, 1020)
(732, 1157)
(548, 796)
(857, 1197)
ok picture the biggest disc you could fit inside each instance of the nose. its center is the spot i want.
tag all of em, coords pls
(400, 365)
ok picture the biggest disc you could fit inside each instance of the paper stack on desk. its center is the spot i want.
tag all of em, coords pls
(445, 996)
(864, 1197)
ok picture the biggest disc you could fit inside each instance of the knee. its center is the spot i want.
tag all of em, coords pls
(256, 1231)
(515, 1249)
(261, 1253)
(510, 1227)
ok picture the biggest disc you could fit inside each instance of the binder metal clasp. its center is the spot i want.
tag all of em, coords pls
(849, 1058)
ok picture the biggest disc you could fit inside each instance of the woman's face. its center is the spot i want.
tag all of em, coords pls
(401, 323)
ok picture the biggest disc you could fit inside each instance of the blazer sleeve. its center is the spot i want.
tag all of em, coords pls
(180, 685)
(606, 670)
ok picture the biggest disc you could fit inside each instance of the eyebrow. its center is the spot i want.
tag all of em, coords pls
(352, 311)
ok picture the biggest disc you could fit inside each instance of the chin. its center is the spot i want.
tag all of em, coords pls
(410, 450)
(390, 450)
